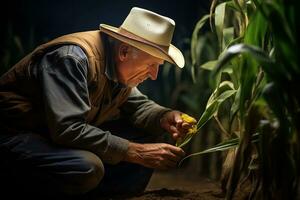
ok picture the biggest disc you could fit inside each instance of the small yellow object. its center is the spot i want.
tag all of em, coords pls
(188, 119)
(192, 130)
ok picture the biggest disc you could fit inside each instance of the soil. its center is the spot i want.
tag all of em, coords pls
(173, 186)
(180, 186)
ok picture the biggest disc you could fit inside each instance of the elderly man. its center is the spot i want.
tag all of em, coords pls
(73, 120)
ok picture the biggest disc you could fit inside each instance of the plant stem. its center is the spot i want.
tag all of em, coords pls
(227, 135)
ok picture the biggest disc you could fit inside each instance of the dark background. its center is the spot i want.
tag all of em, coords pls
(26, 24)
(51, 18)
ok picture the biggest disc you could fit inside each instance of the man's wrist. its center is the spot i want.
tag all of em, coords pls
(132, 154)
(162, 117)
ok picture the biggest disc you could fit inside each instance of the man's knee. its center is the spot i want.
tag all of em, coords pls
(88, 175)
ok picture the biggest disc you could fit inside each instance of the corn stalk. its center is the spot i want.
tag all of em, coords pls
(258, 62)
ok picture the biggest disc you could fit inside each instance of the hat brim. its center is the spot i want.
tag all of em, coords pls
(172, 54)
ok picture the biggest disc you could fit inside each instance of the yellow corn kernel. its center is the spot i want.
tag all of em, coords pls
(192, 130)
(188, 119)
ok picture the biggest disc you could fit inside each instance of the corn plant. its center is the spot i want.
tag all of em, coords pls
(257, 74)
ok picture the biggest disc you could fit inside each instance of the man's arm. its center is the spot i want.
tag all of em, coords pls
(153, 118)
(143, 112)
(156, 119)
(63, 78)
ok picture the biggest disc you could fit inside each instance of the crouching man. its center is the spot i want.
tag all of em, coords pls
(73, 120)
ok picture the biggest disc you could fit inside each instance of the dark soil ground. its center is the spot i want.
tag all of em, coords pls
(180, 186)
(174, 186)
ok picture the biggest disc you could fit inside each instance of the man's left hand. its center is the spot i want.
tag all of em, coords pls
(173, 123)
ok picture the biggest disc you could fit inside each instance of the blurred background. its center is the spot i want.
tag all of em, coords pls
(26, 24)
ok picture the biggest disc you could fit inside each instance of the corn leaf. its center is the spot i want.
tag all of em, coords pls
(232, 143)
(194, 41)
(223, 92)
(237, 49)
(228, 34)
(219, 22)
(210, 65)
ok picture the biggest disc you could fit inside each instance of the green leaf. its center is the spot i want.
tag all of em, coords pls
(236, 104)
(237, 49)
(232, 6)
(213, 105)
(231, 143)
(223, 92)
(219, 22)
(256, 31)
(194, 41)
(233, 41)
(211, 13)
(228, 34)
(210, 65)
(181, 142)
(223, 86)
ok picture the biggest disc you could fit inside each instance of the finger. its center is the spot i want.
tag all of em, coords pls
(174, 129)
(173, 157)
(179, 130)
(177, 133)
(170, 163)
(177, 151)
(186, 125)
(178, 118)
(182, 135)
(175, 136)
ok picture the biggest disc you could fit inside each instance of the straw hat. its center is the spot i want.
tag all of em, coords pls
(149, 32)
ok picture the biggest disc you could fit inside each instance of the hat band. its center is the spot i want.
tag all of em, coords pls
(132, 36)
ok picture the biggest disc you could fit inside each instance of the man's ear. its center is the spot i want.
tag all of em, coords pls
(123, 52)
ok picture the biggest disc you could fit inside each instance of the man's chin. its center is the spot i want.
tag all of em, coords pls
(132, 85)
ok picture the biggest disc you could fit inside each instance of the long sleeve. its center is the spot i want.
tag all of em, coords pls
(63, 79)
(143, 112)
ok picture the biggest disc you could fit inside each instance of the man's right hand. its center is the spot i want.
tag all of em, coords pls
(156, 155)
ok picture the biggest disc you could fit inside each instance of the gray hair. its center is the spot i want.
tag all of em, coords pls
(114, 44)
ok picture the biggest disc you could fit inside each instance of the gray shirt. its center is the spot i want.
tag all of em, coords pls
(62, 74)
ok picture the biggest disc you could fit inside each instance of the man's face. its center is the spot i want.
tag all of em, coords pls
(134, 66)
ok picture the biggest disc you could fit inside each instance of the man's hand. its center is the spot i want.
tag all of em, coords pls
(174, 124)
(156, 155)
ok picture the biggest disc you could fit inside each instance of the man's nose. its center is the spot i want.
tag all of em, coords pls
(153, 71)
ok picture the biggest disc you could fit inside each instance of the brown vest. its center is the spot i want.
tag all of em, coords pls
(21, 104)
